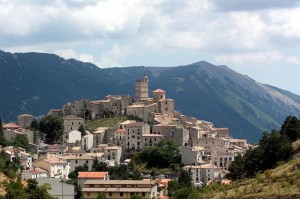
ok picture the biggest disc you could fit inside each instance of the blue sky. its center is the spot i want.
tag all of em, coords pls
(257, 38)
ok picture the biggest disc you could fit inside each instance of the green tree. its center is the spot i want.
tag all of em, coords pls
(276, 147)
(135, 196)
(184, 178)
(101, 196)
(82, 130)
(52, 125)
(99, 166)
(167, 152)
(34, 125)
(21, 140)
(237, 168)
(253, 161)
(15, 190)
(291, 128)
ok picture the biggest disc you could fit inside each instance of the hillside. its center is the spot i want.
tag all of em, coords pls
(37, 82)
(284, 182)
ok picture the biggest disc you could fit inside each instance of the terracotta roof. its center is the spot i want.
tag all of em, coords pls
(92, 174)
(37, 170)
(158, 91)
(26, 115)
(54, 160)
(11, 125)
(121, 131)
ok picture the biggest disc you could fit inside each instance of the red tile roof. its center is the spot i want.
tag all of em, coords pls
(11, 125)
(92, 174)
(159, 91)
(121, 131)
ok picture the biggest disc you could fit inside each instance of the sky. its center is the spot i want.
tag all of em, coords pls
(257, 38)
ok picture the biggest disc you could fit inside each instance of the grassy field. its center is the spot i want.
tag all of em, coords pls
(92, 125)
(283, 182)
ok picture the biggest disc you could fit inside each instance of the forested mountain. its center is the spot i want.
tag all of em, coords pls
(35, 82)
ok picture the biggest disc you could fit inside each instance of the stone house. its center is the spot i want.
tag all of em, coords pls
(193, 155)
(151, 139)
(72, 122)
(134, 132)
(222, 157)
(25, 120)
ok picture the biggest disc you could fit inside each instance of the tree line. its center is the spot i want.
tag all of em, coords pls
(273, 148)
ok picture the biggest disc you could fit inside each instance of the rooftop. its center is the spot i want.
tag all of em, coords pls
(92, 174)
(11, 125)
(158, 91)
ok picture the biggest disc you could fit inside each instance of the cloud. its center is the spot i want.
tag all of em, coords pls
(70, 53)
(292, 60)
(237, 5)
(256, 57)
(113, 57)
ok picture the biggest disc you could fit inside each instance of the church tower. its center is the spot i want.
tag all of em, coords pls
(141, 88)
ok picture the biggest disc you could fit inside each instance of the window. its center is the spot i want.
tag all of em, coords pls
(76, 161)
(88, 194)
(121, 194)
(138, 137)
(110, 194)
(143, 194)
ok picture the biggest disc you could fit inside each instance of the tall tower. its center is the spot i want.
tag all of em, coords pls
(141, 88)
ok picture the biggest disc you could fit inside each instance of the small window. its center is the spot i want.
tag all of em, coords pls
(76, 161)
(110, 194)
(121, 194)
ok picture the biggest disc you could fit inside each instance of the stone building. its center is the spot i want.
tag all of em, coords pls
(141, 88)
(120, 188)
(25, 120)
(72, 122)
(134, 132)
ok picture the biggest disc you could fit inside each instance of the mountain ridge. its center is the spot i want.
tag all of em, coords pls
(36, 82)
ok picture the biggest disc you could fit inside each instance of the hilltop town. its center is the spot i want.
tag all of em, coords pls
(205, 151)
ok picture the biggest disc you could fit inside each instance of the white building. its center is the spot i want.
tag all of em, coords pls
(79, 160)
(204, 173)
(57, 167)
(34, 173)
(222, 157)
(113, 154)
(87, 142)
(72, 137)
(193, 155)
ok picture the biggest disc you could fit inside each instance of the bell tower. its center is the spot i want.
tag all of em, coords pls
(141, 88)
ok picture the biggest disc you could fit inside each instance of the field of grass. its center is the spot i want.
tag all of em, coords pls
(92, 125)
(283, 182)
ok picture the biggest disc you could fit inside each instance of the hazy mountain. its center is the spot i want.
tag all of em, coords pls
(36, 82)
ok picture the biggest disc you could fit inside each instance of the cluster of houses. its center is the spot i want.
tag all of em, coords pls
(206, 151)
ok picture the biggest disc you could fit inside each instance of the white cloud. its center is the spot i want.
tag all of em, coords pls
(256, 57)
(70, 53)
(113, 57)
(292, 60)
